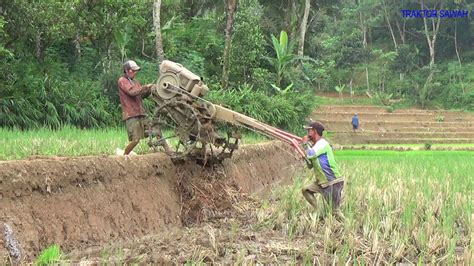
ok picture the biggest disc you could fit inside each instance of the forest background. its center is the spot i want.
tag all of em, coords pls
(268, 59)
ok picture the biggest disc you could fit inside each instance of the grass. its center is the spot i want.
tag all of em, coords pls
(401, 207)
(420, 145)
(346, 100)
(64, 142)
(70, 141)
(50, 256)
(411, 146)
(408, 207)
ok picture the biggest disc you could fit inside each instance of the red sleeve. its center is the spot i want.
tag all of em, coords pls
(127, 87)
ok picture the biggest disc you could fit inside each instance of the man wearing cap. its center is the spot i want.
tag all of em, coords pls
(329, 181)
(133, 112)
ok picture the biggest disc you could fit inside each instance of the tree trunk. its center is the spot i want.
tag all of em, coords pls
(457, 53)
(390, 26)
(367, 78)
(431, 40)
(143, 50)
(304, 24)
(231, 6)
(157, 25)
(351, 92)
(456, 41)
(363, 27)
(77, 46)
(401, 30)
(39, 47)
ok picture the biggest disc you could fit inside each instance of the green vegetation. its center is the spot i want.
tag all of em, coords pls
(61, 64)
(413, 145)
(50, 256)
(65, 142)
(70, 141)
(404, 207)
(319, 100)
(285, 109)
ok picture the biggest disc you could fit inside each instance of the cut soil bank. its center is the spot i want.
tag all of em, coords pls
(87, 201)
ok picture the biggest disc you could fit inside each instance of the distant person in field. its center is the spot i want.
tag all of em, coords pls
(329, 181)
(133, 112)
(355, 123)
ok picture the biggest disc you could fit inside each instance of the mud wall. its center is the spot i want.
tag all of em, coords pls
(87, 201)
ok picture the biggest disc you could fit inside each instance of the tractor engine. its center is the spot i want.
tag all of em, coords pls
(182, 110)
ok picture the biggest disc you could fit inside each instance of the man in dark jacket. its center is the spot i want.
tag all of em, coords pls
(133, 112)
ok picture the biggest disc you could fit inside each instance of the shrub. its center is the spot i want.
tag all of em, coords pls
(428, 146)
(248, 42)
(284, 110)
(51, 255)
(383, 98)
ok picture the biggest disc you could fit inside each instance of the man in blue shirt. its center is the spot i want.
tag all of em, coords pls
(355, 123)
(329, 181)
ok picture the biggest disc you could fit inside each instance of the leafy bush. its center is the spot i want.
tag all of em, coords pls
(284, 110)
(428, 146)
(196, 44)
(248, 42)
(262, 78)
(55, 101)
(383, 98)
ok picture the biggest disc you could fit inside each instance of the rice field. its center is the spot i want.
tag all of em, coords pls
(411, 207)
(400, 207)
(71, 141)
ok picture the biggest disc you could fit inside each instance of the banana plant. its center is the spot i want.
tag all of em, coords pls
(282, 91)
(122, 37)
(284, 56)
(340, 89)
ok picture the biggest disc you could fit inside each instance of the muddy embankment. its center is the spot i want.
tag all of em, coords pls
(88, 201)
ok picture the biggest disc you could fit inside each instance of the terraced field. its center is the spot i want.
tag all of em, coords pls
(409, 126)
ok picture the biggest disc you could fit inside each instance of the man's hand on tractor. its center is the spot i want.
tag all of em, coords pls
(146, 90)
(309, 152)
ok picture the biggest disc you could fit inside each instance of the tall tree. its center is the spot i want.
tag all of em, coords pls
(387, 17)
(364, 29)
(231, 7)
(431, 34)
(304, 24)
(157, 26)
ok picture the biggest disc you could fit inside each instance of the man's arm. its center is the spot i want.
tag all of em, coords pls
(147, 90)
(131, 89)
(307, 147)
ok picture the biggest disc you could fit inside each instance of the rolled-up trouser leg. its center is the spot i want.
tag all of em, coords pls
(309, 191)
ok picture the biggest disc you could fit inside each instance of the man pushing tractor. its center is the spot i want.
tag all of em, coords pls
(181, 108)
(131, 93)
(329, 181)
